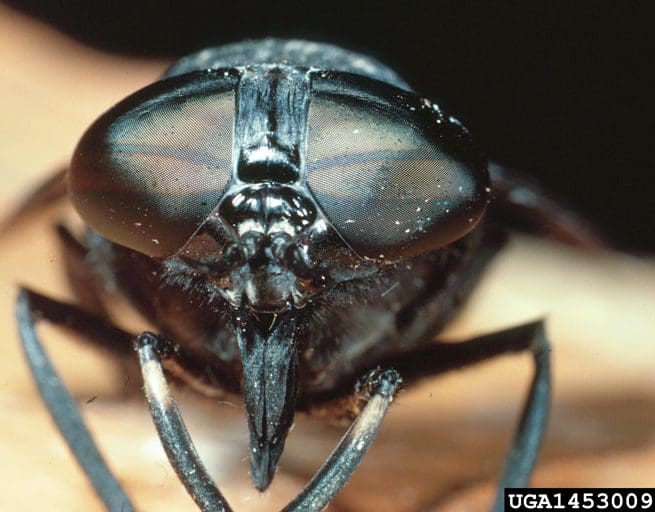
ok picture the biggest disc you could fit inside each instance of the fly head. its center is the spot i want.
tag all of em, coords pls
(271, 184)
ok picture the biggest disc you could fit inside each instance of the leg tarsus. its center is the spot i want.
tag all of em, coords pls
(65, 413)
(379, 387)
(171, 429)
(442, 357)
(527, 441)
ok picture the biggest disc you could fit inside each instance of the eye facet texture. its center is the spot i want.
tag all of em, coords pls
(393, 176)
(149, 171)
(387, 182)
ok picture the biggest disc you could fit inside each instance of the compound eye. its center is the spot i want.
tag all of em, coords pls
(149, 171)
(395, 181)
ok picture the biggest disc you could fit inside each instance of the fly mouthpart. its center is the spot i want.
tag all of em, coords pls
(294, 259)
(268, 356)
(260, 249)
(233, 257)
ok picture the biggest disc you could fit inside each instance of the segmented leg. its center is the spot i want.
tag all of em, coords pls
(173, 433)
(381, 386)
(63, 409)
(441, 357)
(524, 451)
(96, 328)
(337, 469)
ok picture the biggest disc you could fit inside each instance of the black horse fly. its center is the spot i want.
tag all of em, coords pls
(299, 225)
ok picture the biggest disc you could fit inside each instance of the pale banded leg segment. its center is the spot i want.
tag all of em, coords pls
(381, 386)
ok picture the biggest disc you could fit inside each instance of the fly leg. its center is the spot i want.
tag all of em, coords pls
(32, 307)
(29, 308)
(379, 386)
(90, 322)
(173, 433)
(441, 357)
(96, 328)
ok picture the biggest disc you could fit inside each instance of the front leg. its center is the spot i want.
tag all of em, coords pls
(57, 398)
(379, 387)
(437, 358)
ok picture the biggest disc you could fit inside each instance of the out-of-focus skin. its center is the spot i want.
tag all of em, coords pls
(443, 442)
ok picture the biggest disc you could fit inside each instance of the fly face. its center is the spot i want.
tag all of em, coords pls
(270, 224)
(274, 183)
(278, 165)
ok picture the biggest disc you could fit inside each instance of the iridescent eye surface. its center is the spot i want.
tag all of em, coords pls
(395, 178)
(149, 171)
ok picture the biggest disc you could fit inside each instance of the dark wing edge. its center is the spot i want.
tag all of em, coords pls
(523, 205)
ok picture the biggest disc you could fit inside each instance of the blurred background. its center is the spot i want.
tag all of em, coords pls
(563, 94)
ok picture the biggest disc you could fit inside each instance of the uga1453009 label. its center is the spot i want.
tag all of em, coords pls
(579, 499)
